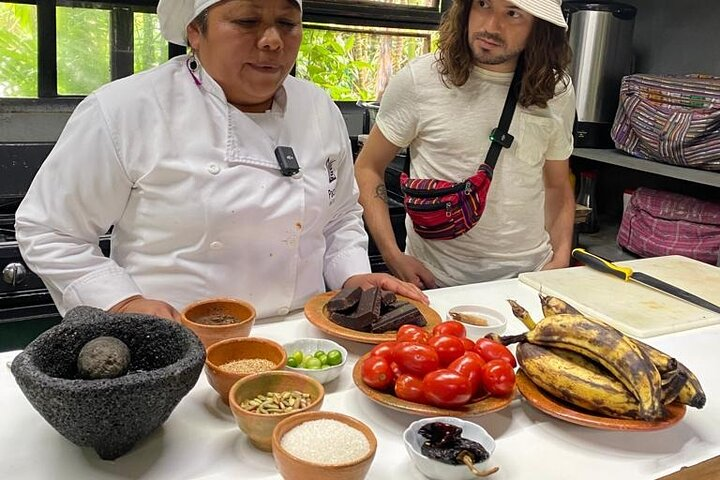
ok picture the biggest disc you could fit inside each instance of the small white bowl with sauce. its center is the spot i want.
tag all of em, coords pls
(478, 320)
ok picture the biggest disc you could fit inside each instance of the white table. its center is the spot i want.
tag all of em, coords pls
(201, 441)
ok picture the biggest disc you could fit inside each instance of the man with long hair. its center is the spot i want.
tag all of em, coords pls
(444, 106)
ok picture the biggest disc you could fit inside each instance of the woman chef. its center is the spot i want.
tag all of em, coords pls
(220, 174)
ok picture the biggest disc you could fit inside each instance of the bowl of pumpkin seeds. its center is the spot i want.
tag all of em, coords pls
(260, 401)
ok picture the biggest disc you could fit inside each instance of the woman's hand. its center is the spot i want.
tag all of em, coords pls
(386, 282)
(410, 269)
(140, 304)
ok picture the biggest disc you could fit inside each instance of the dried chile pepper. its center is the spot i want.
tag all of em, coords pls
(444, 443)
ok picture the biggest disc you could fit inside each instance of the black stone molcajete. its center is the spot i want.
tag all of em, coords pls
(109, 415)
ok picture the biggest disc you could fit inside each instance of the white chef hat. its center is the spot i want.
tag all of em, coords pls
(176, 15)
(549, 10)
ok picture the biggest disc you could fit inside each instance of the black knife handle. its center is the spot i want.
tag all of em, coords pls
(601, 265)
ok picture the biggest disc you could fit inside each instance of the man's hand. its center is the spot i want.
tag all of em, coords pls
(556, 262)
(140, 304)
(412, 270)
(386, 282)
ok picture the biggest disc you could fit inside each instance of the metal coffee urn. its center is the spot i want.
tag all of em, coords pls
(601, 40)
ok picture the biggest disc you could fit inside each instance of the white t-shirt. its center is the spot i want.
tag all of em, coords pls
(447, 131)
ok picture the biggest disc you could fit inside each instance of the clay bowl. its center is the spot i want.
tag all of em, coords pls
(109, 415)
(199, 315)
(258, 426)
(292, 467)
(243, 348)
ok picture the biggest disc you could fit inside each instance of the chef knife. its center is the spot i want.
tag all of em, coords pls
(627, 274)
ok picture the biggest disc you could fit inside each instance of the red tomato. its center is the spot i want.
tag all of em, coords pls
(376, 373)
(470, 366)
(384, 350)
(451, 327)
(409, 388)
(395, 369)
(498, 377)
(468, 344)
(446, 388)
(491, 350)
(416, 359)
(448, 348)
(412, 333)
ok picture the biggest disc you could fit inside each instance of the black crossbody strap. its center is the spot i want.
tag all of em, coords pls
(500, 137)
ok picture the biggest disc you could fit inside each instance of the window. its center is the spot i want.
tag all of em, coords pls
(355, 64)
(150, 48)
(421, 3)
(350, 47)
(83, 50)
(18, 50)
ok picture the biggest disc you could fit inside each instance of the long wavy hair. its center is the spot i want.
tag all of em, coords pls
(545, 59)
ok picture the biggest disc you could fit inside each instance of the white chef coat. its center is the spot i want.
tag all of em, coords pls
(196, 197)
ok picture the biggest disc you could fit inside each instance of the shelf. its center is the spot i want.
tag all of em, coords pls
(617, 157)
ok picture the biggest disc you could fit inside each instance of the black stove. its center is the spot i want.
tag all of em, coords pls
(26, 308)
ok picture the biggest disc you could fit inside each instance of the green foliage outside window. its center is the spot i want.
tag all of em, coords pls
(349, 65)
(18, 50)
(83, 49)
(150, 47)
(355, 65)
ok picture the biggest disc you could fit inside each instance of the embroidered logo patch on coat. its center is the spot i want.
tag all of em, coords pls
(332, 179)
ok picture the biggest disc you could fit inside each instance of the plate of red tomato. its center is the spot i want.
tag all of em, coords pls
(436, 373)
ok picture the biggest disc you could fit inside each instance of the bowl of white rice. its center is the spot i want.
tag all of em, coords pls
(323, 446)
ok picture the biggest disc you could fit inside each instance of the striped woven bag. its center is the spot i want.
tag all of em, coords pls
(670, 119)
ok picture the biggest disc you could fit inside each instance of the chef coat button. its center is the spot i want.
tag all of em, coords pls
(298, 175)
(213, 169)
(216, 245)
(283, 311)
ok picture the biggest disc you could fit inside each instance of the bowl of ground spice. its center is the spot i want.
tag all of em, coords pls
(323, 446)
(259, 402)
(235, 358)
(216, 319)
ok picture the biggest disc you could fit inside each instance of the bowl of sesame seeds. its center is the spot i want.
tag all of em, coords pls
(259, 402)
(323, 446)
(235, 358)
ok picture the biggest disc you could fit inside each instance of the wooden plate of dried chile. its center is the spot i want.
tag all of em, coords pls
(387, 399)
(317, 313)
(564, 411)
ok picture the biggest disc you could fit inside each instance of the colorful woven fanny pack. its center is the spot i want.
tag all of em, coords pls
(442, 210)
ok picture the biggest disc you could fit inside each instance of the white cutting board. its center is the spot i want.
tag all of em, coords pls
(631, 307)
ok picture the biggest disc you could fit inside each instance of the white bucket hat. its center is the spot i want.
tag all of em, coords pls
(548, 10)
(176, 15)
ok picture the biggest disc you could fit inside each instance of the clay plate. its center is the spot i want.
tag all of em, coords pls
(316, 312)
(474, 409)
(546, 403)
